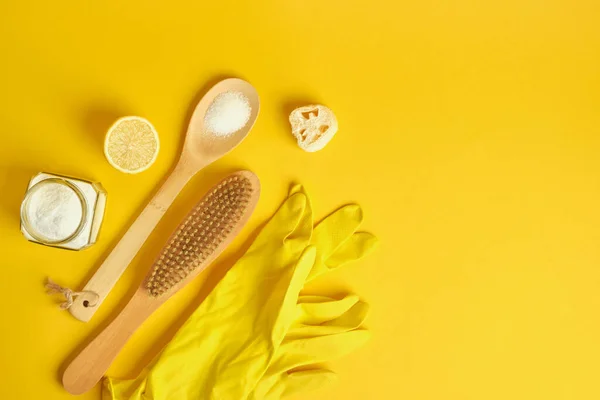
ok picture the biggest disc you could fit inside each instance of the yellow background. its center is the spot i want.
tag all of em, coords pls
(469, 132)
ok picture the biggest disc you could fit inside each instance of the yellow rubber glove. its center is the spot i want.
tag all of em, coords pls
(254, 320)
(325, 328)
(338, 241)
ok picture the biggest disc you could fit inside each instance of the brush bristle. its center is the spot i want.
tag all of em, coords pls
(199, 235)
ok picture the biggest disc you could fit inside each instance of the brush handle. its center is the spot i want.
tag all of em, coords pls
(86, 370)
(122, 254)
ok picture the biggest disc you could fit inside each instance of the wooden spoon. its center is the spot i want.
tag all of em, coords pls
(200, 149)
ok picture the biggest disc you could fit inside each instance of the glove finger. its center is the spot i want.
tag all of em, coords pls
(302, 232)
(355, 247)
(314, 312)
(291, 221)
(348, 322)
(295, 353)
(336, 228)
(352, 319)
(313, 298)
(307, 380)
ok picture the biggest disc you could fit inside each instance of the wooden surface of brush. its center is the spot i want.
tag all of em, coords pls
(204, 233)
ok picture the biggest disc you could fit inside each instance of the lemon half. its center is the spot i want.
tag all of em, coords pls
(131, 145)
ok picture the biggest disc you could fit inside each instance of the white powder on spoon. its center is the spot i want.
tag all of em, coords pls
(228, 113)
(54, 211)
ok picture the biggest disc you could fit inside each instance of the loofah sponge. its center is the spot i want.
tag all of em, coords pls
(313, 126)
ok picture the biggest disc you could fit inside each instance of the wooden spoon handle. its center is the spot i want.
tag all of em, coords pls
(118, 260)
(86, 370)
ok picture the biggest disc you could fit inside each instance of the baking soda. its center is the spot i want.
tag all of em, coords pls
(228, 113)
(54, 211)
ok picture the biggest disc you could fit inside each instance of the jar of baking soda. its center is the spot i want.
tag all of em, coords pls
(61, 211)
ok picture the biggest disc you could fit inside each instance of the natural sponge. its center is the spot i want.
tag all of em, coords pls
(313, 126)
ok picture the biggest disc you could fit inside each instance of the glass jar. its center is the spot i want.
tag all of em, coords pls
(61, 211)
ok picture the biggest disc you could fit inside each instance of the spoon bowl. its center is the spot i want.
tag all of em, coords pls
(203, 145)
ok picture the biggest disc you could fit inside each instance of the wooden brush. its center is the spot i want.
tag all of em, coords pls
(213, 223)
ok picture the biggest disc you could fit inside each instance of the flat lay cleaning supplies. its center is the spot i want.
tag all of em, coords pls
(313, 126)
(207, 230)
(228, 113)
(200, 149)
(255, 337)
(131, 145)
(61, 211)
